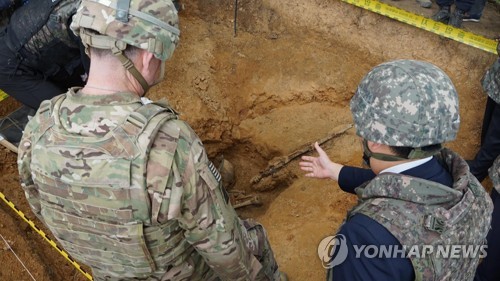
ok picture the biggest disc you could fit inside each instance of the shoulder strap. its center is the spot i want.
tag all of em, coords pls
(141, 117)
(45, 114)
(143, 125)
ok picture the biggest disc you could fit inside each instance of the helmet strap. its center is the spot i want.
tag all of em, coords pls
(129, 66)
(416, 153)
(117, 48)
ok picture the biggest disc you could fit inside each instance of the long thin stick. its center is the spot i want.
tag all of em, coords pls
(10, 248)
(235, 15)
(282, 161)
(45, 236)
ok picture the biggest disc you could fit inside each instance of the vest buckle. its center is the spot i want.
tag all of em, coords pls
(434, 224)
(137, 120)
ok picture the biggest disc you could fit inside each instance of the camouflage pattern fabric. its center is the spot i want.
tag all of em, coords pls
(152, 24)
(420, 212)
(56, 27)
(491, 81)
(494, 173)
(38, 33)
(131, 193)
(406, 103)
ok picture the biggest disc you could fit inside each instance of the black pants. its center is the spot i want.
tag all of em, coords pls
(463, 5)
(490, 141)
(30, 86)
(31, 89)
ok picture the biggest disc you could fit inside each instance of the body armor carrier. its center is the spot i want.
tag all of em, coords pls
(39, 35)
(95, 196)
(419, 212)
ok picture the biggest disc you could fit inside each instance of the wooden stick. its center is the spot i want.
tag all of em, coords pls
(235, 15)
(282, 161)
(7, 144)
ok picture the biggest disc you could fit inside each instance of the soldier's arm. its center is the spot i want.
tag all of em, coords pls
(212, 225)
(352, 177)
(23, 163)
(195, 199)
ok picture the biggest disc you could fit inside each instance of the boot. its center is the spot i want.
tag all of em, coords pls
(443, 15)
(226, 170)
(456, 18)
(425, 3)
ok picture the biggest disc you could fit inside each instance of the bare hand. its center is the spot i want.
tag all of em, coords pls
(320, 167)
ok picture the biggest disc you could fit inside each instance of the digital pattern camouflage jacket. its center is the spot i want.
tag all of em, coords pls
(419, 212)
(128, 190)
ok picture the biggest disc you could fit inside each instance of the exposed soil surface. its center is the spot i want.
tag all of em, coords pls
(283, 82)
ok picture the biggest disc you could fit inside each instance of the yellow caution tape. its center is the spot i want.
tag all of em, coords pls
(50, 241)
(439, 28)
(3, 95)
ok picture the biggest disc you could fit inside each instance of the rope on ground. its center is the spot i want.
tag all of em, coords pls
(47, 239)
(17, 257)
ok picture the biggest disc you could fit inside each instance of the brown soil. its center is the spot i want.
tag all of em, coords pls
(283, 82)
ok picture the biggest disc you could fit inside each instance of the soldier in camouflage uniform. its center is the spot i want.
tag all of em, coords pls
(484, 160)
(39, 55)
(490, 134)
(416, 193)
(122, 183)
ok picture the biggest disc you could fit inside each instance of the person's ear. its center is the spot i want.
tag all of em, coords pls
(149, 66)
(375, 147)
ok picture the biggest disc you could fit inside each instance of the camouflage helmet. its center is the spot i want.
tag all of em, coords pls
(406, 103)
(151, 25)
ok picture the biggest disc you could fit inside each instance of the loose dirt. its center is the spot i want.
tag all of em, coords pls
(283, 82)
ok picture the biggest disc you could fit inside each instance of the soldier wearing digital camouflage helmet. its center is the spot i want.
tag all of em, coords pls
(122, 183)
(416, 194)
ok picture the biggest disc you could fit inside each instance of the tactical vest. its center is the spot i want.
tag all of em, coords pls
(494, 174)
(96, 197)
(39, 35)
(418, 212)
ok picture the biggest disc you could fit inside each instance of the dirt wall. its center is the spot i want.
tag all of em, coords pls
(283, 82)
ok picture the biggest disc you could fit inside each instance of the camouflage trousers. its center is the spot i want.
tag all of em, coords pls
(261, 249)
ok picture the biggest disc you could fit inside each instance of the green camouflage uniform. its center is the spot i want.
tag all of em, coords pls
(420, 212)
(127, 189)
